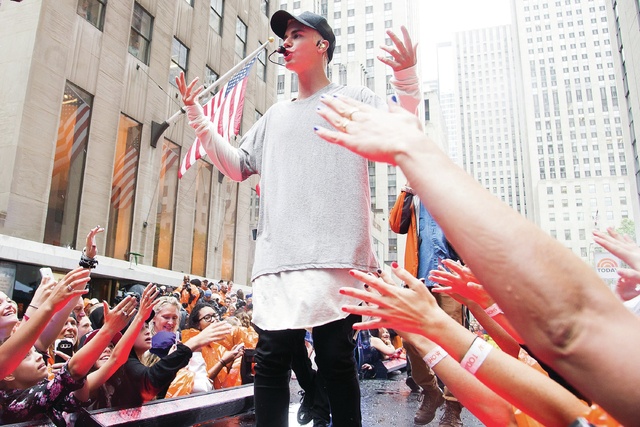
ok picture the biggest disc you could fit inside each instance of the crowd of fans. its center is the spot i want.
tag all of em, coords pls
(68, 352)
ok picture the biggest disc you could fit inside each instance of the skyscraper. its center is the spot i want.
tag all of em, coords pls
(579, 155)
(488, 132)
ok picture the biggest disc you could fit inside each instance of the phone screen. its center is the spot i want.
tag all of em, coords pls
(63, 346)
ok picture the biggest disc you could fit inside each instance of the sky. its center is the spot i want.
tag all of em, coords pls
(440, 19)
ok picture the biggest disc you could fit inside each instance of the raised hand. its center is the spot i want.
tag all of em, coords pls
(72, 285)
(117, 318)
(43, 292)
(230, 355)
(377, 135)
(148, 301)
(403, 55)
(620, 245)
(189, 95)
(459, 281)
(411, 309)
(628, 283)
(91, 249)
(214, 332)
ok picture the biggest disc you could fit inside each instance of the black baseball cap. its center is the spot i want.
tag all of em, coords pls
(280, 20)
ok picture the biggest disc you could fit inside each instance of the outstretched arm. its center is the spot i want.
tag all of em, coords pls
(50, 333)
(491, 409)
(122, 349)
(114, 321)
(460, 282)
(414, 309)
(557, 304)
(16, 347)
(223, 155)
(402, 59)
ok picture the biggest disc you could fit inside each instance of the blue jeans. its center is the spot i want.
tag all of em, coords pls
(334, 347)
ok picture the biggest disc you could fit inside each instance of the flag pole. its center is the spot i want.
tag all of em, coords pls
(161, 127)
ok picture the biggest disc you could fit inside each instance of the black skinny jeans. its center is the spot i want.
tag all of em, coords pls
(334, 347)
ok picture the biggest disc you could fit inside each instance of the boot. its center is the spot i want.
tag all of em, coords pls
(304, 411)
(429, 400)
(451, 415)
(411, 383)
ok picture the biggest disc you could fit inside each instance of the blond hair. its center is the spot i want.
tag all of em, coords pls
(162, 302)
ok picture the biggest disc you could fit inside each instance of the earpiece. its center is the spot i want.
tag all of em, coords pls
(321, 44)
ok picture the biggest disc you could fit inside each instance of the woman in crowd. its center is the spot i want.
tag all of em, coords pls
(213, 363)
(101, 382)
(380, 349)
(153, 377)
(26, 393)
(54, 297)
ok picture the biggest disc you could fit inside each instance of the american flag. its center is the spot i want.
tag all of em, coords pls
(225, 111)
(72, 136)
(125, 171)
(169, 158)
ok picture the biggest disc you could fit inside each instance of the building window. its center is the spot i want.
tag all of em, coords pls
(179, 58)
(262, 64)
(166, 207)
(215, 17)
(123, 188)
(68, 167)
(210, 78)
(280, 84)
(294, 82)
(241, 38)
(93, 11)
(201, 218)
(140, 37)
(264, 7)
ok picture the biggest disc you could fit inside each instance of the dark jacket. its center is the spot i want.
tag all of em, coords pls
(143, 383)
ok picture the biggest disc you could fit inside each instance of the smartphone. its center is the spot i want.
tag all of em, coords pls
(46, 272)
(63, 346)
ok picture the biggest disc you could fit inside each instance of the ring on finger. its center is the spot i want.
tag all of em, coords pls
(350, 115)
(344, 124)
(124, 313)
(69, 288)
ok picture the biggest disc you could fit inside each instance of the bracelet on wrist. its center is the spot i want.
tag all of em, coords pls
(33, 306)
(476, 355)
(86, 262)
(435, 356)
(493, 310)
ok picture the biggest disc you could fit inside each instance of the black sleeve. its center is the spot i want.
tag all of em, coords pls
(152, 380)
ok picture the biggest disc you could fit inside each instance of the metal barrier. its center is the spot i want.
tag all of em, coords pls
(175, 412)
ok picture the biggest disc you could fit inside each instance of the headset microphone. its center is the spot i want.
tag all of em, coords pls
(281, 50)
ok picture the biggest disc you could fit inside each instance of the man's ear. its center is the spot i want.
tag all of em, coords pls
(9, 378)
